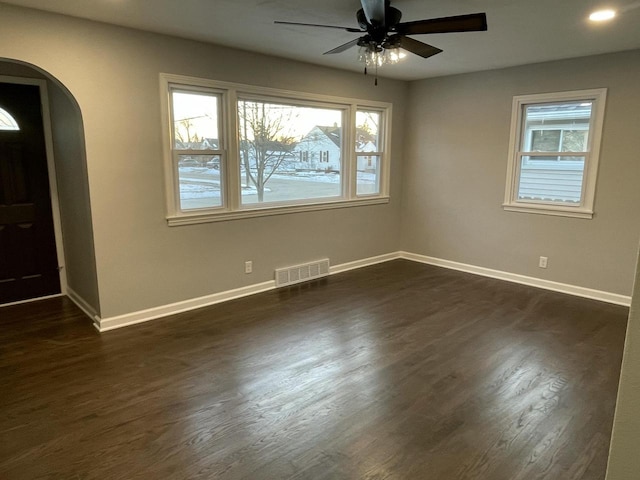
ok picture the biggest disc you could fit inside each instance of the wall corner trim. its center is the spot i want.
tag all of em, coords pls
(111, 323)
(584, 292)
(81, 303)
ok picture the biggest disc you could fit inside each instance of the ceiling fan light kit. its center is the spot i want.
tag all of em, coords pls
(377, 57)
(385, 36)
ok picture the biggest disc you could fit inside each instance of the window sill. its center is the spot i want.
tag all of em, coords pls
(554, 210)
(196, 218)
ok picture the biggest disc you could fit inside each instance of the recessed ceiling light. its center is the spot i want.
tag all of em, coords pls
(602, 15)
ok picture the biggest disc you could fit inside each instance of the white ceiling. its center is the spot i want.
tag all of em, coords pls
(520, 31)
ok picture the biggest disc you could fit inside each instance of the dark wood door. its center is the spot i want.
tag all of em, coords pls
(28, 260)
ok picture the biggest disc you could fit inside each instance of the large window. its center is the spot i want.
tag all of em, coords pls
(235, 151)
(553, 160)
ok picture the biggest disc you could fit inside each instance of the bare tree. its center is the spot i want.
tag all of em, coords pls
(367, 127)
(184, 131)
(265, 140)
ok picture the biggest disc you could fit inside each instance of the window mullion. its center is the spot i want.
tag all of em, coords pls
(349, 155)
(385, 167)
(232, 157)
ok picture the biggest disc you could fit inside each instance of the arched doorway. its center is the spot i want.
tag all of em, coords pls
(68, 182)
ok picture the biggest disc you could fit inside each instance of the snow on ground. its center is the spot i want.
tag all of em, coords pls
(363, 177)
(309, 177)
(189, 191)
(191, 188)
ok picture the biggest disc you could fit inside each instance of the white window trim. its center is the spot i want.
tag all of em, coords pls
(585, 208)
(232, 208)
(220, 152)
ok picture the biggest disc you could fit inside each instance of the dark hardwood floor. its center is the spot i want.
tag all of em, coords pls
(395, 371)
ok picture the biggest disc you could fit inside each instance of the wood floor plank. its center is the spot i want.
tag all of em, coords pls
(395, 371)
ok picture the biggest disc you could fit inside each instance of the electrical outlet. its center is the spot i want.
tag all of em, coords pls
(543, 262)
(248, 267)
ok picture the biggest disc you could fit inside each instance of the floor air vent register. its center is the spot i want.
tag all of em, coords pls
(302, 273)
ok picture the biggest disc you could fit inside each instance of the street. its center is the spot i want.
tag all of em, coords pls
(200, 188)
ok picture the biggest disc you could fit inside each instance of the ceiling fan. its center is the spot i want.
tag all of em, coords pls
(384, 34)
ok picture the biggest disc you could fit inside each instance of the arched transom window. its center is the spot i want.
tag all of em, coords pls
(7, 122)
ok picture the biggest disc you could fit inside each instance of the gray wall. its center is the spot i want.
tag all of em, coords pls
(113, 73)
(455, 174)
(624, 461)
(73, 193)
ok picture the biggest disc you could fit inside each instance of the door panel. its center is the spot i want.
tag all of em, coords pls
(28, 259)
(4, 254)
(15, 179)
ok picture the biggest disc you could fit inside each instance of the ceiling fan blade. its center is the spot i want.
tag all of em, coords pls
(475, 22)
(414, 46)
(374, 11)
(343, 47)
(348, 29)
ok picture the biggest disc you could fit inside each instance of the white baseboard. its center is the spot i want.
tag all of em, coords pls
(30, 300)
(82, 304)
(111, 323)
(522, 279)
(365, 262)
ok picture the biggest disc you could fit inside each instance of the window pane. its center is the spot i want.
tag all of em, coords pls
(289, 152)
(368, 131)
(195, 121)
(574, 140)
(559, 141)
(545, 141)
(557, 127)
(551, 181)
(7, 122)
(368, 180)
(199, 181)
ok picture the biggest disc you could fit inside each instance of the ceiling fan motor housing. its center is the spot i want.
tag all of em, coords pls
(378, 30)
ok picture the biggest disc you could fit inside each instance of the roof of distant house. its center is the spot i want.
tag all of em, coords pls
(335, 133)
(332, 132)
